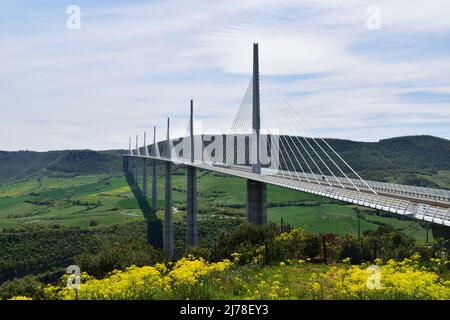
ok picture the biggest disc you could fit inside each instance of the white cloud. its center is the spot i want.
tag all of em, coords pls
(131, 66)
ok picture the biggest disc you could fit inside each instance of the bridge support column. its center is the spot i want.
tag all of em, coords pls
(256, 202)
(154, 186)
(136, 171)
(126, 164)
(168, 222)
(144, 179)
(191, 216)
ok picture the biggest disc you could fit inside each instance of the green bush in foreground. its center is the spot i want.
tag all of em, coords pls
(194, 278)
(256, 262)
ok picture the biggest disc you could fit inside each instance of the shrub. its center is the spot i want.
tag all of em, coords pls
(385, 243)
(198, 252)
(244, 240)
(390, 243)
(333, 247)
(27, 286)
(299, 244)
(313, 245)
(118, 256)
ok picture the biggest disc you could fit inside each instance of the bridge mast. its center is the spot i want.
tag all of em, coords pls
(256, 122)
(191, 130)
(256, 191)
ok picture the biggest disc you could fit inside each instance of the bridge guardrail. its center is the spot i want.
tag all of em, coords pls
(417, 210)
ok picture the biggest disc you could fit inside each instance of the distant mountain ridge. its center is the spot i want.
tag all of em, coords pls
(400, 159)
(22, 164)
(412, 154)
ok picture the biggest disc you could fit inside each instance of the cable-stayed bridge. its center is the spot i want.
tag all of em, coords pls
(269, 143)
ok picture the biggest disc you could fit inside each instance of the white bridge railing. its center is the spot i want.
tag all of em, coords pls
(430, 193)
(410, 208)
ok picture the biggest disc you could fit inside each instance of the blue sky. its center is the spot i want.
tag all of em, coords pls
(133, 63)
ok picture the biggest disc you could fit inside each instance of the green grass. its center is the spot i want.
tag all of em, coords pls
(78, 200)
(131, 203)
(341, 219)
(442, 178)
(62, 195)
(6, 202)
(327, 218)
(256, 282)
(408, 227)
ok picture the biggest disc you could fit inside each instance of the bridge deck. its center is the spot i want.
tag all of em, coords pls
(424, 195)
(423, 204)
(432, 210)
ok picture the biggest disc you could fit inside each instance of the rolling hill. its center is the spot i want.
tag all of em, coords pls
(413, 154)
(24, 164)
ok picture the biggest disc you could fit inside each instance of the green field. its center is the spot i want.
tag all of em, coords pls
(100, 200)
(442, 178)
(341, 220)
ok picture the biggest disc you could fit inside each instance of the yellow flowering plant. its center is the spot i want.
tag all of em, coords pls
(184, 279)
(406, 279)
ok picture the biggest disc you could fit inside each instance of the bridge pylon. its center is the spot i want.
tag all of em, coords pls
(256, 191)
(256, 113)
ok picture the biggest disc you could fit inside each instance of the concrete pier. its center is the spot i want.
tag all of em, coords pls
(154, 185)
(191, 214)
(144, 179)
(168, 221)
(256, 202)
(154, 174)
